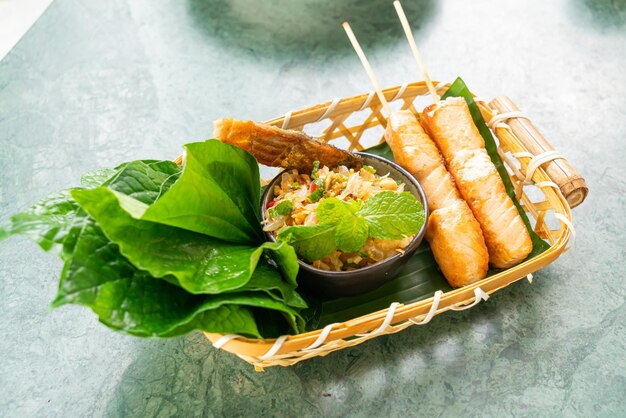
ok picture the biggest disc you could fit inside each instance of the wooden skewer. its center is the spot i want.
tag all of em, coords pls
(416, 52)
(366, 65)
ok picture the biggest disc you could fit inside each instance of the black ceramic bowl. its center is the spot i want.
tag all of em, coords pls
(346, 283)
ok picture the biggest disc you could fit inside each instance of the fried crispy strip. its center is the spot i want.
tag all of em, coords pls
(450, 125)
(281, 148)
(454, 234)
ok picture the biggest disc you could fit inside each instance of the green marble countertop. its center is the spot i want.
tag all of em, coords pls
(96, 83)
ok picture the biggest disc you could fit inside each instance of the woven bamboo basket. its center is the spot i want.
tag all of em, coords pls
(540, 197)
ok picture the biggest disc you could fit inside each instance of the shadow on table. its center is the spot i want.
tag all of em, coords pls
(188, 377)
(600, 14)
(305, 28)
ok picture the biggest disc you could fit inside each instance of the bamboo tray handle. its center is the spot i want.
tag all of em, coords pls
(508, 116)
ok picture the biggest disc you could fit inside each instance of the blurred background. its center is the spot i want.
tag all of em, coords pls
(16, 17)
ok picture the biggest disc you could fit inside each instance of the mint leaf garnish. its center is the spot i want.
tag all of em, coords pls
(351, 229)
(391, 215)
(310, 242)
(333, 210)
(351, 233)
(347, 225)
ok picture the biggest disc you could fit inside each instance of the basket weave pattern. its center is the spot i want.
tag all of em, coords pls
(547, 206)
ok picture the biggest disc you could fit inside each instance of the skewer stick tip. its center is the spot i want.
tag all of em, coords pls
(414, 50)
(366, 66)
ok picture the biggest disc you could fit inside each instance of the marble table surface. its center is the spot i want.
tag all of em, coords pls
(96, 83)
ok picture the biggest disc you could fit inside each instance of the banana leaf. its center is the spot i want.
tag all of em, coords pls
(421, 278)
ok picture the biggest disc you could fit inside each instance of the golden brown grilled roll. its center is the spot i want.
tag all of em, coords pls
(455, 236)
(450, 125)
(457, 244)
(414, 150)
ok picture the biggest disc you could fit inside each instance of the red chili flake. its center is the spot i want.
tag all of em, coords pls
(313, 188)
(271, 203)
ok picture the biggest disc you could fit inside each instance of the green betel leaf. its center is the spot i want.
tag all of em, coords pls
(54, 223)
(391, 215)
(248, 287)
(97, 177)
(284, 255)
(351, 233)
(261, 300)
(222, 317)
(201, 264)
(217, 194)
(266, 279)
(145, 181)
(129, 300)
(310, 242)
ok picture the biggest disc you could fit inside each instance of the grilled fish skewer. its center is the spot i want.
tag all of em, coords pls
(450, 125)
(455, 237)
(278, 147)
(454, 234)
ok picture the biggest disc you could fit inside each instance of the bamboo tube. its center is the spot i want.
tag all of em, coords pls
(569, 181)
